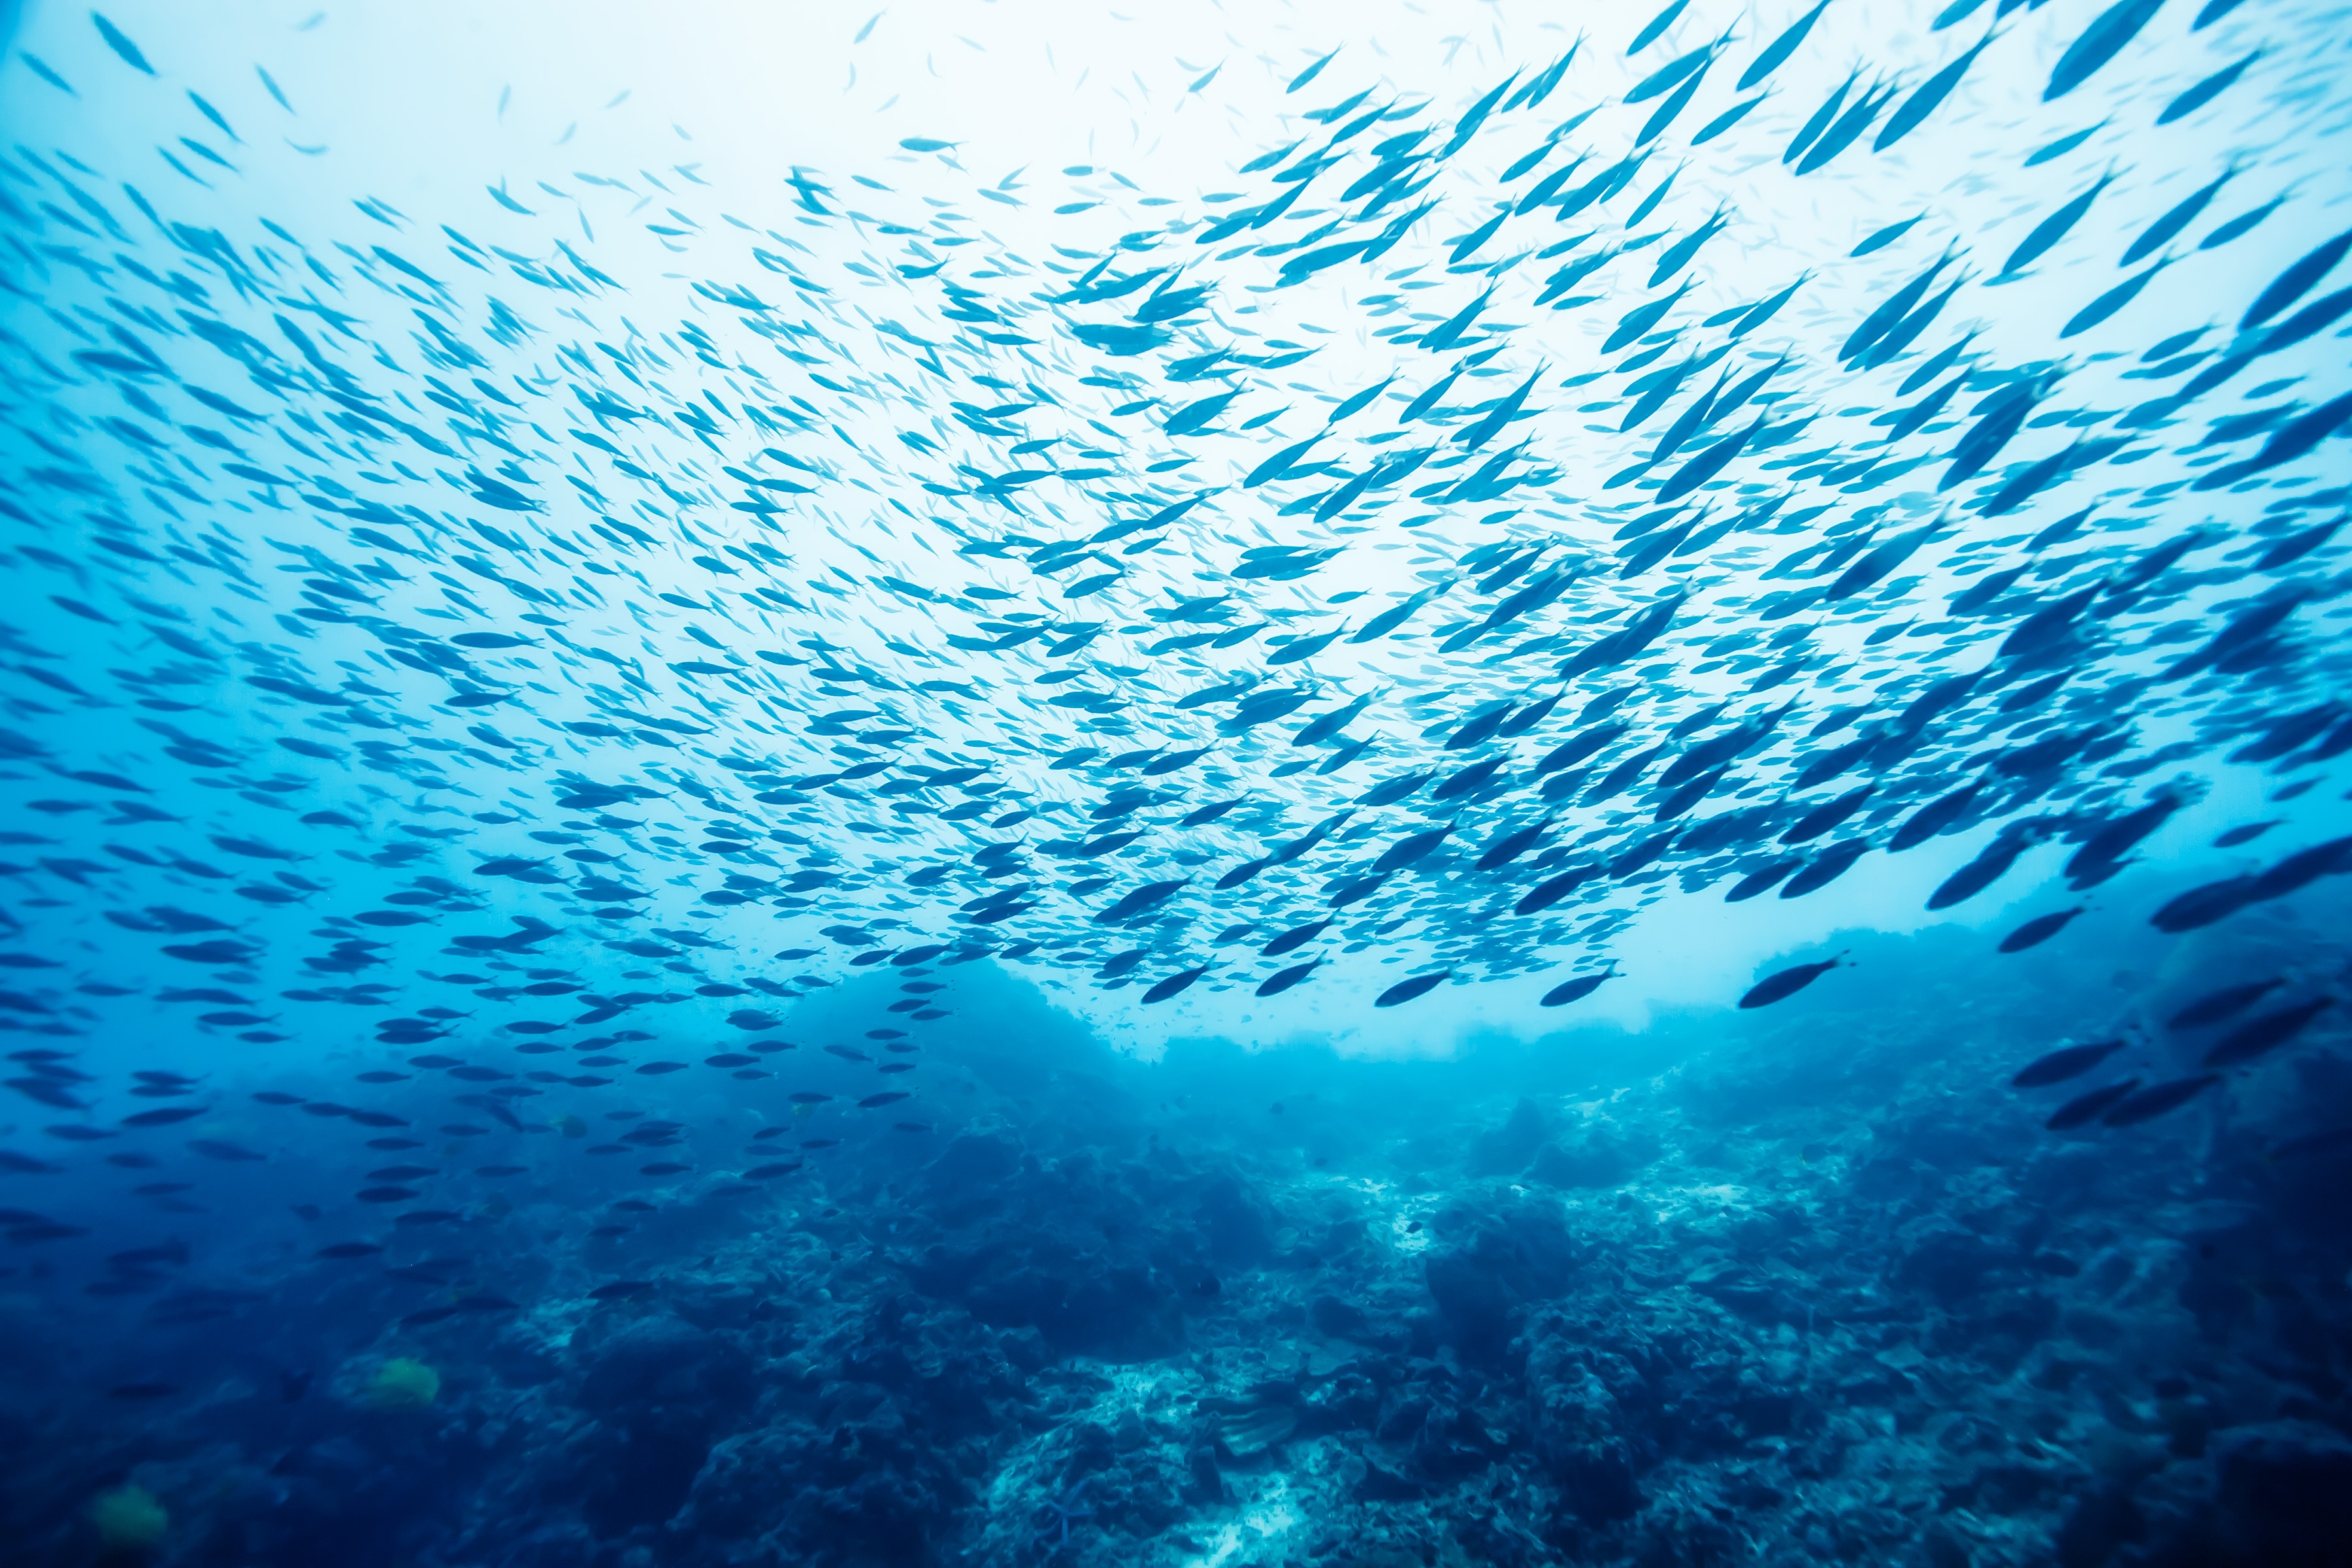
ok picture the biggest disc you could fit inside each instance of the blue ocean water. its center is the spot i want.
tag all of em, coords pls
(1356, 786)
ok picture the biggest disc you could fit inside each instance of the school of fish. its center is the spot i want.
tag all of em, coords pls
(912, 602)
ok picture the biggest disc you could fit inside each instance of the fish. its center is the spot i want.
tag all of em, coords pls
(224, 1150)
(2205, 904)
(1579, 988)
(1296, 937)
(1284, 979)
(1827, 815)
(2066, 1062)
(1463, 537)
(2039, 930)
(2226, 1003)
(122, 45)
(162, 1117)
(1554, 888)
(1988, 865)
(1175, 985)
(2197, 97)
(1931, 94)
(2295, 281)
(2045, 235)
(2179, 216)
(624, 1291)
(2311, 1145)
(1763, 878)
(1783, 983)
(2097, 44)
(1405, 991)
(1775, 54)
(2086, 1107)
(2264, 1033)
(2156, 1100)
(1824, 868)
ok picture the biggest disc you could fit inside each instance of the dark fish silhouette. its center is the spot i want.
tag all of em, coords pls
(2086, 1107)
(2156, 1100)
(2066, 1062)
(1576, 990)
(1405, 991)
(2264, 1033)
(2227, 1003)
(2037, 931)
(1784, 984)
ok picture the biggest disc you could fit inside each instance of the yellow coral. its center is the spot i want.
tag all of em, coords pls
(129, 1517)
(403, 1383)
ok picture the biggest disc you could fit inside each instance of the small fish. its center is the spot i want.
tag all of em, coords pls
(1786, 983)
(2046, 234)
(1405, 991)
(2155, 1099)
(2085, 1108)
(2264, 1032)
(1175, 985)
(2113, 28)
(2226, 1003)
(2195, 98)
(2066, 1062)
(1282, 980)
(1584, 985)
(165, 1116)
(2037, 931)
(1990, 865)
(122, 45)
